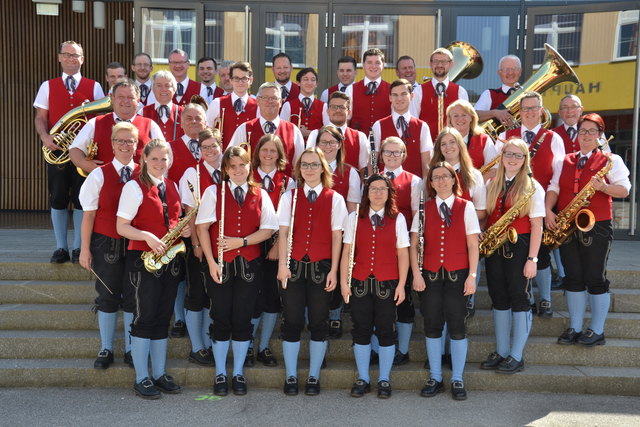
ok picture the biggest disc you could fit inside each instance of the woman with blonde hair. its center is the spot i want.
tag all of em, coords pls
(463, 117)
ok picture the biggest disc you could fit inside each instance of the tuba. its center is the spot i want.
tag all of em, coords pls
(467, 62)
(554, 70)
(67, 128)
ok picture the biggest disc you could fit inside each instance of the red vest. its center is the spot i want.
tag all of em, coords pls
(102, 135)
(351, 147)
(206, 180)
(182, 160)
(280, 181)
(521, 224)
(497, 97)
(402, 184)
(312, 233)
(601, 204)
(341, 181)
(238, 222)
(293, 93)
(108, 200)
(542, 163)
(193, 88)
(569, 145)
(332, 89)
(150, 216)
(286, 133)
(60, 101)
(476, 149)
(313, 120)
(413, 161)
(150, 112)
(217, 93)
(368, 109)
(375, 250)
(429, 105)
(232, 120)
(445, 247)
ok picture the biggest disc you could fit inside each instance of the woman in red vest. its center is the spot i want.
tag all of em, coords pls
(447, 277)
(584, 254)
(269, 162)
(463, 117)
(249, 219)
(312, 273)
(103, 249)
(379, 275)
(149, 207)
(511, 267)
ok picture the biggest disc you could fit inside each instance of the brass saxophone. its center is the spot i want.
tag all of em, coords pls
(154, 262)
(575, 215)
(501, 231)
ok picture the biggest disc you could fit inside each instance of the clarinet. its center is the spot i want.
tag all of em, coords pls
(221, 231)
(290, 236)
(374, 157)
(421, 231)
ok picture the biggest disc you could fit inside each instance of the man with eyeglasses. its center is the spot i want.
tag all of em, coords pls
(547, 154)
(54, 99)
(230, 111)
(569, 112)
(282, 68)
(207, 70)
(305, 111)
(356, 143)
(427, 100)
(414, 132)
(179, 67)
(346, 72)
(487, 107)
(141, 68)
(268, 121)
(162, 110)
(114, 72)
(371, 94)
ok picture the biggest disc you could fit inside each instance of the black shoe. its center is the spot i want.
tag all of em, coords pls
(249, 360)
(201, 357)
(335, 329)
(290, 386)
(457, 391)
(590, 339)
(75, 256)
(384, 390)
(267, 358)
(166, 385)
(146, 389)
(431, 388)
(104, 360)
(60, 256)
(510, 366)
(400, 358)
(568, 337)
(220, 386)
(128, 359)
(312, 387)
(239, 385)
(545, 309)
(360, 388)
(178, 330)
(492, 361)
(446, 361)
(534, 308)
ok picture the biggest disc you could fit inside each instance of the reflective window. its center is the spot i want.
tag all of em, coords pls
(224, 35)
(560, 31)
(627, 35)
(295, 34)
(166, 29)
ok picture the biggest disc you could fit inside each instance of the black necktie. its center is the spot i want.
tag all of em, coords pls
(391, 175)
(446, 214)
(306, 103)
(571, 132)
(269, 127)
(163, 110)
(237, 105)
(180, 90)
(195, 150)
(372, 88)
(507, 186)
(582, 161)
(118, 120)
(403, 126)
(70, 83)
(209, 92)
(238, 193)
(510, 91)
(216, 176)
(267, 184)
(376, 220)
(162, 192)
(312, 196)
(528, 137)
(343, 88)
(144, 92)
(125, 174)
(284, 93)
(440, 89)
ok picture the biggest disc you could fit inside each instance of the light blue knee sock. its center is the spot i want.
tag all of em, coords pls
(445, 338)
(127, 319)
(158, 351)
(77, 227)
(543, 281)
(206, 323)
(458, 358)
(107, 324)
(255, 322)
(362, 354)
(577, 304)
(375, 344)
(386, 361)
(140, 348)
(335, 314)
(193, 319)
(502, 327)
(521, 329)
(434, 353)
(268, 325)
(404, 336)
(178, 305)
(291, 350)
(220, 350)
(599, 309)
(558, 260)
(317, 350)
(60, 221)
(239, 354)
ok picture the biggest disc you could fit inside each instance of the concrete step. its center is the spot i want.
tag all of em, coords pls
(339, 375)
(19, 344)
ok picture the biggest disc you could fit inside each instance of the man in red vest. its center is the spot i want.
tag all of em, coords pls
(185, 150)
(570, 111)
(305, 111)
(439, 86)
(207, 70)
(179, 67)
(54, 99)
(162, 110)
(370, 101)
(281, 67)
(509, 70)
(141, 69)
(346, 76)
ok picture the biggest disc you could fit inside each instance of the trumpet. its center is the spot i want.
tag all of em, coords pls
(219, 122)
(290, 235)
(352, 250)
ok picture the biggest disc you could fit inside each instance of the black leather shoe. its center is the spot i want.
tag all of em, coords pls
(400, 358)
(545, 309)
(374, 359)
(146, 389)
(335, 329)
(534, 308)
(166, 385)
(128, 359)
(384, 390)
(431, 388)
(569, 337)
(250, 359)
(239, 385)
(590, 339)
(104, 360)
(220, 386)
(201, 357)
(267, 358)
(312, 387)
(510, 366)
(290, 386)
(60, 256)
(492, 361)
(457, 391)
(75, 256)
(360, 388)
(178, 330)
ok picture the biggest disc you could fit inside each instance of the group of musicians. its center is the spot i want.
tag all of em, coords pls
(285, 207)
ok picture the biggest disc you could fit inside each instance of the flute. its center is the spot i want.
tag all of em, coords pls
(352, 250)
(290, 236)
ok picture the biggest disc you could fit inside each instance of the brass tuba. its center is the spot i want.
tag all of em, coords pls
(66, 129)
(554, 70)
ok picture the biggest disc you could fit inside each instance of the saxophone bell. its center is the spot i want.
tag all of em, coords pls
(585, 220)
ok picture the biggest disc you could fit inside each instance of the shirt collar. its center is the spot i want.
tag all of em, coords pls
(456, 167)
(234, 97)
(147, 83)
(317, 189)
(158, 105)
(434, 82)
(372, 212)
(566, 127)
(185, 83)
(275, 121)
(287, 85)
(263, 173)
(535, 130)
(76, 76)
(448, 201)
(209, 168)
(115, 117)
(155, 180)
(301, 97)
(505, 88)
(396, 172)
(333, 165)
(395, 115)
(367, 81)
(232, 186)
(118, 166)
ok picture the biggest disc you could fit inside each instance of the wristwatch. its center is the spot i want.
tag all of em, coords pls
(245, 242)
(533, 258)
(474, 275)
(196, 246)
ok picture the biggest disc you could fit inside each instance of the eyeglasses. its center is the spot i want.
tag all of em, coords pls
(378, 189)
(436, 178)
(531, 109)
(509, 70)
(338, 107)
(68, 55)
(125, 141)
(209, 147)
(178, 62)
(445, 62)
(241, 79)
(332, 143)
(391, 153)
(513, 155)
(592, 131)
(312, 166)
(269, 98)
(570, 108)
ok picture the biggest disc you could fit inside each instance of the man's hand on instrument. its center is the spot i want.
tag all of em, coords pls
(86, 259)
(506, 118)
(186, 231)
(550, 220)
(47, 141)
(399, 295)
(155, 244)
(332, 281)
(599, 183)
(418, 283)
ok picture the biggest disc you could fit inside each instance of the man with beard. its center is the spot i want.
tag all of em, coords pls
(207, 67)
(141, 68)
(282, 72)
